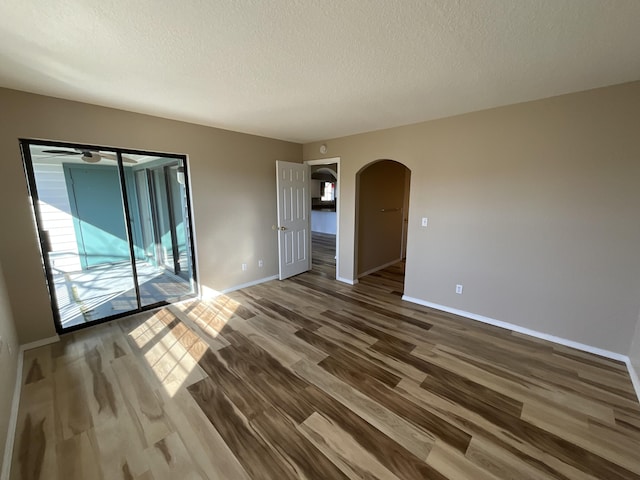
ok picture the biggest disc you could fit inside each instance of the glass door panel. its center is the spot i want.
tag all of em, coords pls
(160, 226)
(178, 195)
(163, 217)
(146, 242)
(81, 222)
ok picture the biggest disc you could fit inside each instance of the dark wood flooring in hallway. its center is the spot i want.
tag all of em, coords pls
(311, 378)
(323, 252)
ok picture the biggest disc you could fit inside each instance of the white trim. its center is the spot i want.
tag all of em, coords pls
(347, 281)
(13, 420)
(15, 403)
(381, 267)
(40, 343)
(329, 161)
(250, 284)
(635, 380)
(323, 161)
(519, 329)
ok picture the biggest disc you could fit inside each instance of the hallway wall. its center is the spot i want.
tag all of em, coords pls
(381, 198)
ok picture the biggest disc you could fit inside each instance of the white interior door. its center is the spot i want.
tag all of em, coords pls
(294, 229)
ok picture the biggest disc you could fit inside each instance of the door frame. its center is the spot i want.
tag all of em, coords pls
(27, 163)
(330, 161)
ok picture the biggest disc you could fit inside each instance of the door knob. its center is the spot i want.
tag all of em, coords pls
(283, 228)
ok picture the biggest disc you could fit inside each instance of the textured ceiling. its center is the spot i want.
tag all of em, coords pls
(314, 69)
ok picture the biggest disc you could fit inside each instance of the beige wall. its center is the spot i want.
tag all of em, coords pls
(405, 210)
(8, 362)
(634, 351)
(532, 207)
(233, 187)
(380, 199)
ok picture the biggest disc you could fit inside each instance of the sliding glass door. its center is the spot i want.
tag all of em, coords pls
(114, 228)
(160, 215)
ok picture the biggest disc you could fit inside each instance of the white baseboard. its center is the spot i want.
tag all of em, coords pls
(39, 343)
(380, 267)
(635, 380)
(15, 403)
(13, 419)
(347, 281)
(519, 329)
(211, 293)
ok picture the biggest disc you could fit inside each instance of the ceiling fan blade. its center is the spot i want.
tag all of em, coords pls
(61, 152)
(109, 156)
(89, 156)
(114, 157)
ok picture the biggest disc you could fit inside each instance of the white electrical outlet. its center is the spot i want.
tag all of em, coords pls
(459, 289)
(260, 264)
(425, 221)
(244, 267)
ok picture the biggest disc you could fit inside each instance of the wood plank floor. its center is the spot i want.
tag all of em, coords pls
(310, 378)
(323, 246)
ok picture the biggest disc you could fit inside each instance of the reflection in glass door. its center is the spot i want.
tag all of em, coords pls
(158, 205)
(114, 230)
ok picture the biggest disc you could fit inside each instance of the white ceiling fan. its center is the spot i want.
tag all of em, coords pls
(89, 156)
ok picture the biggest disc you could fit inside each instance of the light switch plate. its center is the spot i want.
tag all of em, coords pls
(425, 221)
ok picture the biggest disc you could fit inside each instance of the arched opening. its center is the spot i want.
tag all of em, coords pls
(382, 211)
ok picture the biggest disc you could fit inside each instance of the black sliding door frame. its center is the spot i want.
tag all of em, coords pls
(44, 243)
(128, 222)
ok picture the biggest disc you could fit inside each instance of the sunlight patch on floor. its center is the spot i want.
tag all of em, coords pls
(172, 349)
(211, 315)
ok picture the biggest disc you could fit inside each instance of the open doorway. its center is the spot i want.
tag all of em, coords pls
(325, 215)
(382, 211)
